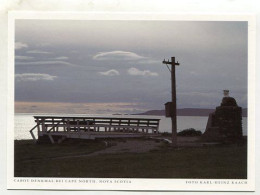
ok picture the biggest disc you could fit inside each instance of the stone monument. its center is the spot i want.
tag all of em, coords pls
(225, 123)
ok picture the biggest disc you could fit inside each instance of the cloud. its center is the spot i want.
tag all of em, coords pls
(61, 58)
(38, 52)
(137, 72)
(111, 72)
(117, 55)
(125, 56)
(45, 63)
(23, 57)
(34, 77)
(20, 45)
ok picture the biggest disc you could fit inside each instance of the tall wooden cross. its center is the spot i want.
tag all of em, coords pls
(173, 104)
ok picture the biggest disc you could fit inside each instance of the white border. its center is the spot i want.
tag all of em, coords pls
(135, 184)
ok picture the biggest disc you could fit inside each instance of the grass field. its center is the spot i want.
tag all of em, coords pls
(47, 160)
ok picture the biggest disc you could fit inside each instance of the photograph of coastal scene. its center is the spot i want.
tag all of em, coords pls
(131, 99)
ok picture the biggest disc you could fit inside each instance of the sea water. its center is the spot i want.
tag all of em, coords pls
(25, 122)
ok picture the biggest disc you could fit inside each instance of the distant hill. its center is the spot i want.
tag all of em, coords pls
(187, 112)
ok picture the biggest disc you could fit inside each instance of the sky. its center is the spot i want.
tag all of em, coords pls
(116, 66)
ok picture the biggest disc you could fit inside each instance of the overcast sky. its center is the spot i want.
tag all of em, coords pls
(120, 61)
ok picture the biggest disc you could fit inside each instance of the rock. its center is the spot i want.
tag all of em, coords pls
(189, 132)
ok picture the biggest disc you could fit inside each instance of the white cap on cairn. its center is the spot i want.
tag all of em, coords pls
(226, 93)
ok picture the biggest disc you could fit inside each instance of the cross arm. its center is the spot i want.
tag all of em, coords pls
(171, 63)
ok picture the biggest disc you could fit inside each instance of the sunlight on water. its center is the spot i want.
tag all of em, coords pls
(24, 122)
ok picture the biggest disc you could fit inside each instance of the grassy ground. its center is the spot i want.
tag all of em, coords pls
(218, 162)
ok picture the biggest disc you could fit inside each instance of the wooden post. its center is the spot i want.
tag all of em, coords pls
(174, 118)
(68, 125)
(51, 138)
(95, 127)
(84, 124)
(38, 127)
(88, 126)
(43, 125)
(173, 86)
(63, 124)
(129, 125)
(138, 122)
(110, 123)
(157, 129)
(119, 123)
(148, 124)
(78, 126)
(31, 132)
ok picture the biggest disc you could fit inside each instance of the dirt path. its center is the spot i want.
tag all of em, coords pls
(133, 146)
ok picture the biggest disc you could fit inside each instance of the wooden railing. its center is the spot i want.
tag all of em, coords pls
(50, 124)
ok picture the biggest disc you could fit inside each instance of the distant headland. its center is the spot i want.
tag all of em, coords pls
(187, 112)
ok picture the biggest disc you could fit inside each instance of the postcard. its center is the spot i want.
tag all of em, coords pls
(149, 102)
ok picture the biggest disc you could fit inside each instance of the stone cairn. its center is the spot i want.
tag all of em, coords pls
(225, 124)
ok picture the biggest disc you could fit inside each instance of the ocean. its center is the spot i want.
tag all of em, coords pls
(24, 122)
